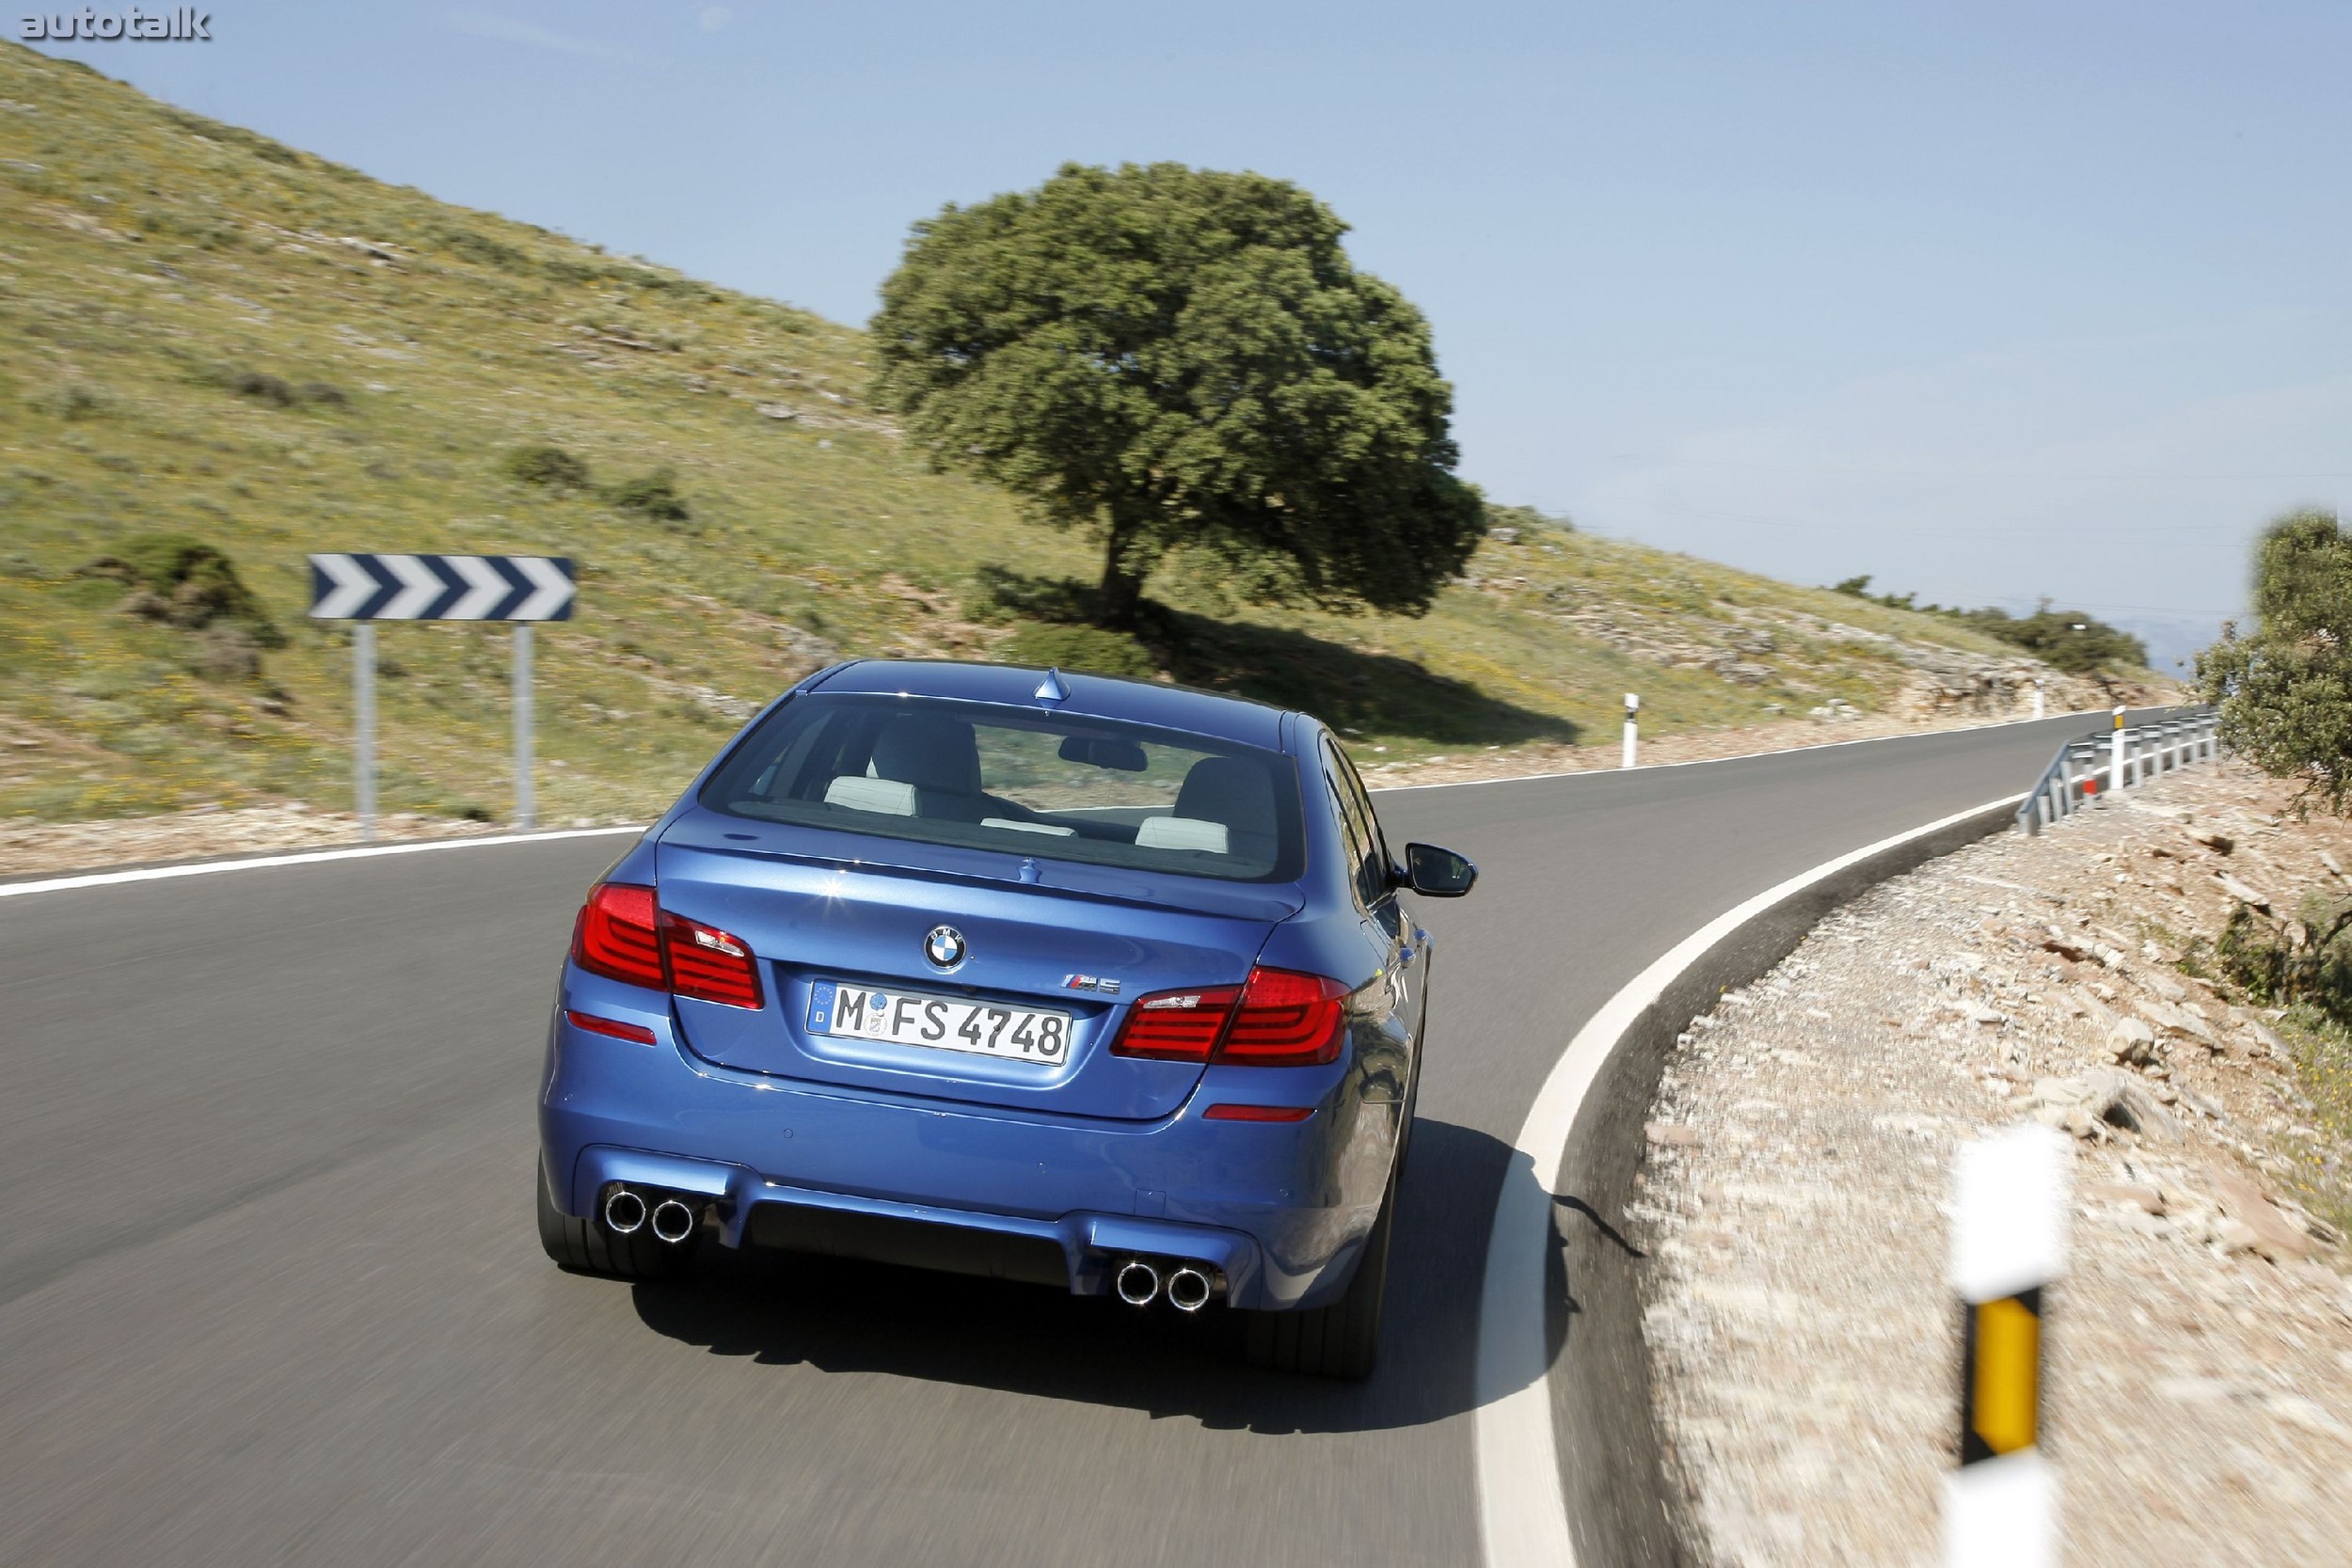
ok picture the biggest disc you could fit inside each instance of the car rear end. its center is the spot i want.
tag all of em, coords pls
(930, 969)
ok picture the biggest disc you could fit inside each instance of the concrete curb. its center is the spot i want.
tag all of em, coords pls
(1608, 1501)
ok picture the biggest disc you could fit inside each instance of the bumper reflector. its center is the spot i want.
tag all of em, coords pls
(1257, 1113)
(611, 1026)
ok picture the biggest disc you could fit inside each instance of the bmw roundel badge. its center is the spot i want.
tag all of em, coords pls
(943, 946)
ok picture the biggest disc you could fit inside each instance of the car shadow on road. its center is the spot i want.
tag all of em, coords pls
(780, 1309)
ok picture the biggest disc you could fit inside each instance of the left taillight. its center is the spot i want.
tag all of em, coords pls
(709, 964)
(615, 936)
(623, 934)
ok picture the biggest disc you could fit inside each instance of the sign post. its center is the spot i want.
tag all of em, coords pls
(363, 726)
(365, 589)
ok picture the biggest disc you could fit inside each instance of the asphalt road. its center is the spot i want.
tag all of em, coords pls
(270, 1290)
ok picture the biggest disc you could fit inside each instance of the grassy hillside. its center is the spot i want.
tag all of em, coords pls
(204, 333)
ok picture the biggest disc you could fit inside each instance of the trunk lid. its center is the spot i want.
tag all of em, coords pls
(817, 918)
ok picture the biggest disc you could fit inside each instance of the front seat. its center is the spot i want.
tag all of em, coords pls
(940, 758)
(1237, 794)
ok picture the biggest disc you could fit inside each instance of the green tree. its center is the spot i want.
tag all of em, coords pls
(1178, 357)
(2285, 691)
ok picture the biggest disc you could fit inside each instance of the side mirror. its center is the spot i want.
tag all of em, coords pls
(1437, 873)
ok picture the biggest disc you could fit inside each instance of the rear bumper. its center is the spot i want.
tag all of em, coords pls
(1280, 1211)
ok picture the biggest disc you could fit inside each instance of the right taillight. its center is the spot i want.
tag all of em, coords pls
(1286, 1018)
(623, 934)
(1277, 1017)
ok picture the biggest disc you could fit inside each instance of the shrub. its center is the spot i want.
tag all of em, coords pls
(268, 388)
(76, 400)
(549, 467)
(2285, 689)
(186, 583)
(1088, 649)
(652, 495)
(281, 393)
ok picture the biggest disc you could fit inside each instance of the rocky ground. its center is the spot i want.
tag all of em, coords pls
(1803, 1337)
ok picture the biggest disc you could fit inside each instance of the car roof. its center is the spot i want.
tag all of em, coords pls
(1171, 708)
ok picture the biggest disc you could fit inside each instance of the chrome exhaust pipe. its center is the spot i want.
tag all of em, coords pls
(623, 1213)
(1137, 1282)
(1188, 1289)
(673, 1221)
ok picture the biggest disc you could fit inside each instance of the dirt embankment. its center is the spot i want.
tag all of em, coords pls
(1802, 1334)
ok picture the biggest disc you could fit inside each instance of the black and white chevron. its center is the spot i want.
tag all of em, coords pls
(356, 587)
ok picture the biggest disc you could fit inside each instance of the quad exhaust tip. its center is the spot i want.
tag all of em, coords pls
(623, 1213)
(1188, 1289)
(1138, 1282)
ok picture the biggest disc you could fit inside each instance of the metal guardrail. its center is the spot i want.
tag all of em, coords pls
(2126, 756)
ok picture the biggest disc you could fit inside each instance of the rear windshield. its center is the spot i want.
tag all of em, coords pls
(1050, 785)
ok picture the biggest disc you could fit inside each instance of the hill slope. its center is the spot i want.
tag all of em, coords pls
(204, 333)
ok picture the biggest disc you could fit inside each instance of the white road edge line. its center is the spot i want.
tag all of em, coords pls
(1737, 756)
(307, 856)
(1522, 1515)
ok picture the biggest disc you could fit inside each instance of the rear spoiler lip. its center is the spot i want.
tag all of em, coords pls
(1279, 903)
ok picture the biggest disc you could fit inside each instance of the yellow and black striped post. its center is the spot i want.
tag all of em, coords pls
(2008, 1245)
(2000, 1380)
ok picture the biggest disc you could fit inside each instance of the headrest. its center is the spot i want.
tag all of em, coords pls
(929, 750)
(1227, 790)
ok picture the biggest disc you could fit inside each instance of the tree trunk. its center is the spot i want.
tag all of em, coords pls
(1121, 591)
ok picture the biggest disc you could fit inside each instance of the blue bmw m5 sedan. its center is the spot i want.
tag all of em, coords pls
(1094, 983)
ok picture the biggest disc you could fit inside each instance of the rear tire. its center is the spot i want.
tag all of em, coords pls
(1340, 1340)
(587, 1247)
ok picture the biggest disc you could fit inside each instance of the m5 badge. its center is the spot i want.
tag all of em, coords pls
(1090, 982)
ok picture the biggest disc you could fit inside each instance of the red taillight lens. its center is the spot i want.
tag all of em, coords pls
(614, 936)
(1176, 1026)
(1285, 1019)
(709, 964)
(622, 934)
(1277, 1017)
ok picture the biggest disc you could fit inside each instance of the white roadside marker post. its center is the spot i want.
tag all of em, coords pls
(2038, 700)
(1632, 728)
(2115, 754)
(2009, 1245)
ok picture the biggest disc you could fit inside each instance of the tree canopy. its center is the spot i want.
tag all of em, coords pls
(1178, 357)
(2285, 689)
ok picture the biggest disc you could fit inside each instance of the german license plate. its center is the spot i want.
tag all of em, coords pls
(939, 1022)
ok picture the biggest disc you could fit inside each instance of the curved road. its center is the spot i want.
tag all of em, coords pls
(270, 1292)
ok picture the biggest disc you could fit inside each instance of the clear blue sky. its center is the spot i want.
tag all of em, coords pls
(1991, 301)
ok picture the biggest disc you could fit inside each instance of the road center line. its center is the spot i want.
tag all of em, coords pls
(1522, 1515)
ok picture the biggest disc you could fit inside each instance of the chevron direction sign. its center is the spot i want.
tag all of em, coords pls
(362, 587)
